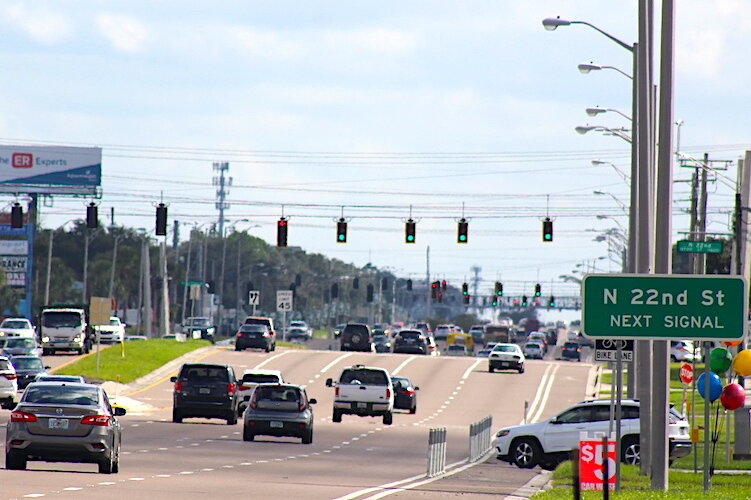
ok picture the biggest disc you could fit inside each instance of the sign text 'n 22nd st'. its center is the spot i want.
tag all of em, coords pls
(664, 306)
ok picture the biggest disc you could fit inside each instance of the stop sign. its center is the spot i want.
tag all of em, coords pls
(686, 373)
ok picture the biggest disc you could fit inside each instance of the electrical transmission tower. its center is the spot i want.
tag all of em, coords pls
(222, 182)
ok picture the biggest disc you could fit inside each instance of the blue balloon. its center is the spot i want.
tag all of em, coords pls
(715, 386)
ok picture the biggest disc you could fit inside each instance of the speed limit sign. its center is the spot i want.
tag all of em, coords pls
(686, 373)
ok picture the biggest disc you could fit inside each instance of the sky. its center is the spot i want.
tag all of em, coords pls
(376, 112)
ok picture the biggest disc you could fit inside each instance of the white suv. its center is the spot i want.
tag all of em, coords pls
(8, 383)
(250, 379)
(550, 442)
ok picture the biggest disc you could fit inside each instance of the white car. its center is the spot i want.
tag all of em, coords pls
(534, 349)
(682, 350)
(506, 357)
(114, 332)
(8, 383)
(16, 327)
(456, 350)
(250, 379)
(551, 441)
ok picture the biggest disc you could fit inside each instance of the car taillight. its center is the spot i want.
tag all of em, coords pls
(103, 420)
(388, 392)
(243, 387)
(407, 393)
(178, 386)
(301, 408)
(239, 335)
(10, 376)
(22, 416)
(336, 391)
(231, 389)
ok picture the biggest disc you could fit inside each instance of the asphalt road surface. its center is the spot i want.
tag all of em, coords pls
(358, 458)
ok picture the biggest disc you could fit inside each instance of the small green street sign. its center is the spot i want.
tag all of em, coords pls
(664, 306)
(688, 246)
(190, 283)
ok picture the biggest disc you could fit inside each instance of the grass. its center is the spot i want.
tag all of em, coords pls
(141, 357)
(291, 345)
(321, 333)
(682, 486)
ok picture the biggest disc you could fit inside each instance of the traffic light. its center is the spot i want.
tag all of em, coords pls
(369, 295)
(465, 289)
(210, 287)
(499, 289)
(92, 216)
(434, 290)
(462, 230)
(16, 216)
(551, 301)
(248, 287)
(335, 291)
(524, 301)
(494, 301)
(356, 283)
(161, 219)
(466, 299)
(341, 231)
(444, 285)
(384, 284)
(281, 233)
(409, 285)
(547, 230)
(538, 290)
(410, 227)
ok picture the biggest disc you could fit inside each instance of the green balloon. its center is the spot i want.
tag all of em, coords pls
(720, 360)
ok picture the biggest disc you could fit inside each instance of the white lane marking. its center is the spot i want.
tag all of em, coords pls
(402, 365)
(135, 479)
(207, 470)
(538, 394)
(34, 495)
(106, 483)
(72, 488)
(469, 370)
(328, 366)
(186, 472)
(268, 360)
(160, 475)
(544, 399)
(246, 463)
(162, 449)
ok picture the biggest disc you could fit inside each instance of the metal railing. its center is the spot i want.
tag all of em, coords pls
(436, 451)
(480, 433)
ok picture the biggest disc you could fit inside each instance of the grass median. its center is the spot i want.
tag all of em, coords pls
(682, 486)
(141, 357)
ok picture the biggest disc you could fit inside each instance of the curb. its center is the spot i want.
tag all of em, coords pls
(170, 368)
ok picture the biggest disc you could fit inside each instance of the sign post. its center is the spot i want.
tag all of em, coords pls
(254, 299)
(283, 305)
(686, 374)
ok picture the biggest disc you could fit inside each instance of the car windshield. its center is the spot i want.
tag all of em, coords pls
(258, 378)
(16, 324)
(21, 343)
(254, 328)
(205, 373)
(199, 322)
(364, 377)
(59, 378)
(114, 322)
(505, 348)
(410, 335)
(400, 382)
(61, 319)
(298, 324)
(456, 348)
(61, 395)
(28, 364)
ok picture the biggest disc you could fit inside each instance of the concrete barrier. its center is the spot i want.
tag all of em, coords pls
(436, 451)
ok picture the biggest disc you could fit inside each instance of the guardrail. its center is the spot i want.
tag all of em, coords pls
(480, 433)
(436, 451)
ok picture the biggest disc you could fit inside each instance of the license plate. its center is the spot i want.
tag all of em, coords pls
(204, 390)
(277, 425)
(58, 423)
(362, 405)
(504, 363)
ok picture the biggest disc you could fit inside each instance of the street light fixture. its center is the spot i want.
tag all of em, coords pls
(615, 198)
(619, 132)
(49, 259)
(585, 68)
(620, 172)
(598, 110)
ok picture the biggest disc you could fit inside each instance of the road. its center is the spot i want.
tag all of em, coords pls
(207, 459)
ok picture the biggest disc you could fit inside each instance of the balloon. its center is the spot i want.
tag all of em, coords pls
(715, 386)
(720, 360)
(731, 343)
(733, 396)
(742, 363)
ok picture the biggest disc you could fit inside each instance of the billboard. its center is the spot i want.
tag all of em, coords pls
(50, 166)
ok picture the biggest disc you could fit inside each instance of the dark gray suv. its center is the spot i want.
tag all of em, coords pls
(64, 422)
(205, 390)
(356, 337)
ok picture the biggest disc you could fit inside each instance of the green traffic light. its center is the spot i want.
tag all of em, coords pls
(548, 236)
(341, 237)
(410, 237)
(462, 238)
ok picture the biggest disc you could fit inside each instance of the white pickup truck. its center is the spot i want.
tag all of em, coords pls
(365, 391)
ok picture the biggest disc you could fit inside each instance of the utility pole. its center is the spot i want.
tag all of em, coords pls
(164, 309)
(476, 287)
(428, 304)
(146, 286)
(222, 182)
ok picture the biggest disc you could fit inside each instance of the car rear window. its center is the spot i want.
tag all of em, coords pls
(14, 324)
(4, 364)
(28, 364)
(504, 348)
(21, 343)
(364, 376)
(254, 328)
(260, 378)
(362, 329)
(61, 395)
(204, 373)
(410, 335)
(570, 345)
(277, 398)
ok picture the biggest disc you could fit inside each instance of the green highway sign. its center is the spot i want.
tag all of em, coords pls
(664, 306)
(688, 246)
(190, 283)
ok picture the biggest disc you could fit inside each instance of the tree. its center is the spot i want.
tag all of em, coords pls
(8, 297)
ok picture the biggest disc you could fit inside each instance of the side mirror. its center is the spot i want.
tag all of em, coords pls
(329, 382)
(417, 388)
(47, 367)
(555, 421)
(119, 411)
(173, 379)
(312, 401)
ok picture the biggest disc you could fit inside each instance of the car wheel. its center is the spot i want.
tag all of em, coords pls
(232, 417)
(308, 436)
(526, 453)
(237, 348)
(176, 417)
(521, 369)
(116, 462)
(388, 418)
(337, 416)
(268, 348)
(630, 450)
(413, 410)
(491, 368)
(14, 461)
(247, 435)
(105, 466)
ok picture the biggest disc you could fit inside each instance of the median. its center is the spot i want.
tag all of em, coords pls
(129, 362)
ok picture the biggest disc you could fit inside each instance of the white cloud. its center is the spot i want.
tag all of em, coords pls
(124, 32)
(261, 43)
(43, 26)
(373, 40)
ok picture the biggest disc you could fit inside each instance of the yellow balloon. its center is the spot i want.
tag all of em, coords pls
(742, 363)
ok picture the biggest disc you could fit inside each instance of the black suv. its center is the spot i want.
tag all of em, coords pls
(410, 342)
(205, 390)
(255, 336)
(356, 337)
